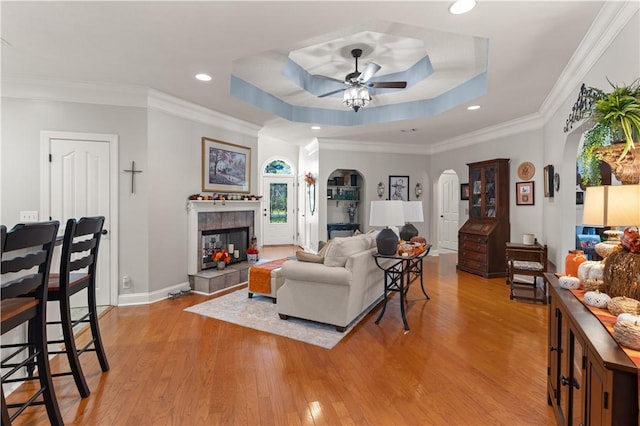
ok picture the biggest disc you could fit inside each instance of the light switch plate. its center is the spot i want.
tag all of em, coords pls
(28, 216)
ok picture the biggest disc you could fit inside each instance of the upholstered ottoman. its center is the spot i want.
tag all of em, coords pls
(266, 278)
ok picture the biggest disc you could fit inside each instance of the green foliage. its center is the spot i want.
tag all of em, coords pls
(619, 110)
(598, 136)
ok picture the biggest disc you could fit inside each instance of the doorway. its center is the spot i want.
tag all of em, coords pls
(78, 177)
(448, 196)
(278, 209)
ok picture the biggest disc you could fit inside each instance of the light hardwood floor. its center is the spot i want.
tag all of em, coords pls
(472, 357)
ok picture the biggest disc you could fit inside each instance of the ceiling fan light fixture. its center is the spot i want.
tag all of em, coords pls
(462, 6)
(357, 97)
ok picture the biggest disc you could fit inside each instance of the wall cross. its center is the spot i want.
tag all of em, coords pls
(133, 172)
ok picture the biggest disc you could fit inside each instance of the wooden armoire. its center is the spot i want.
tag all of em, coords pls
(482, 239)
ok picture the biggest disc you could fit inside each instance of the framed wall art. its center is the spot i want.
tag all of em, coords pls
(464, 191)
(524, 193)
(225, 167)
(399, 188)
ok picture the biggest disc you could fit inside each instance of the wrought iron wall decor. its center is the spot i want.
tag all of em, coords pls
(586, 98)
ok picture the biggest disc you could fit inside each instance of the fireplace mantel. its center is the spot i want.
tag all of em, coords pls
(200, 206)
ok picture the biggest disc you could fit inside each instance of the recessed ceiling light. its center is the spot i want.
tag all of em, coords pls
(473, 107)
(315, 127)
(203, 77)
(462, 6)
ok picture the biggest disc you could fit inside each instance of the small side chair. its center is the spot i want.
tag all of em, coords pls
(528, 260)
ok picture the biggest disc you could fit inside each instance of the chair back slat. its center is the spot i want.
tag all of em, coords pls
(27, 261)
(30, 235)
(24, 248)
(20, 286)
(84, 245)
(81, 263)
(89, 225)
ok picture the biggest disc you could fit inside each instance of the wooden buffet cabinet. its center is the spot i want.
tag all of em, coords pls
(590, 379)
(482, 239)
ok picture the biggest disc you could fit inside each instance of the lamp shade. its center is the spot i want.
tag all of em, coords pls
(617, 205)
(413, 211)
(386, 213)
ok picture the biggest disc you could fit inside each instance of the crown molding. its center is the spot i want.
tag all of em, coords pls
(612, 18)
(73, 91)
(357, 146)
(175, 106)
(509, 128)
(120, 95)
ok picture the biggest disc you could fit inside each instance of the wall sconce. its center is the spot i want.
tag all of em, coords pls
(418, 190)
(380, 190)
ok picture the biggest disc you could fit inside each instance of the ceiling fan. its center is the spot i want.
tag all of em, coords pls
(356, 94)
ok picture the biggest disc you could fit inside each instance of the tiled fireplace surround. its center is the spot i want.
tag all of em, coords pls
(208, 215)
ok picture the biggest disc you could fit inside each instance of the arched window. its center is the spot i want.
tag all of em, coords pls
(278, 167)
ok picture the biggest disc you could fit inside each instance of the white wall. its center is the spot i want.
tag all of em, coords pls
(22, 121)
(374, 167)
(175, 168)
(518, 148)
(620, 63)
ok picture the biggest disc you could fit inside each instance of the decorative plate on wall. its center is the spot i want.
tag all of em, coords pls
(526, 170)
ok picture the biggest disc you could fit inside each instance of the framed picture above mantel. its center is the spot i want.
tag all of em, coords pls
(226, 167)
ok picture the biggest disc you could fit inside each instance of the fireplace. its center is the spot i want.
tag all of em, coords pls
(207, 216)
(234, 240)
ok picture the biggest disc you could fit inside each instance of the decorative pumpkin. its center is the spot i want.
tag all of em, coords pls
(627, 334)
(584, 268)
(635, 319)
(596, 272)
(570, 283)
(621, 304)
(597, 299)
(593, 284)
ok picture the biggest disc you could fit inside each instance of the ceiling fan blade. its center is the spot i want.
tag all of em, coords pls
(332, 93)
(324, 77)
(389, 85)
(368, 72)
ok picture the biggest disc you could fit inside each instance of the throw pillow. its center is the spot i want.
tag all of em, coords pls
(309, 257)
(341, 248)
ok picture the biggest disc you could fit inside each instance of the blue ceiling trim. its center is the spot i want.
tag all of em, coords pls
(318, 86)
(470, 89)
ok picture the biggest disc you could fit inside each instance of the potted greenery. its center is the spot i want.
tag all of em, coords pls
(616, 117)
(594, 139)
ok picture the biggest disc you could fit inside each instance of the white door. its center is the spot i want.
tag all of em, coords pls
(278, 212)
(80, 186)
(448, 190)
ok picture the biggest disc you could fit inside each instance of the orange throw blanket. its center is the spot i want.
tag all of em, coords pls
(260, 276)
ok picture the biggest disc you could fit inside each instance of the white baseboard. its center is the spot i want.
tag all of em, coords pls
(152, 297)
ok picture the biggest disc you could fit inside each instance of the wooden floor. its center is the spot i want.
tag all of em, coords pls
(472, 357)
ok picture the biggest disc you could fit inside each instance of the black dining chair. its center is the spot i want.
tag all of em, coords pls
(78, 272)
(26, 258)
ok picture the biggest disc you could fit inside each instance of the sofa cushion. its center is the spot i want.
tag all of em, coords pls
(309, 257)
(341, 248)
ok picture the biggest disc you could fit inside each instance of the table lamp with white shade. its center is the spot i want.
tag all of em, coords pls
(412, 213)
(386, 213)
(612, 205)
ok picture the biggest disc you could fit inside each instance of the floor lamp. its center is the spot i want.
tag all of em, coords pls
(412, 213)
(386, 213)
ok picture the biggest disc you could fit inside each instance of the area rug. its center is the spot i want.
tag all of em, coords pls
(260, 313)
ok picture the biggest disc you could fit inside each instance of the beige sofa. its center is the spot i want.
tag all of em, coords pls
(337, 290)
